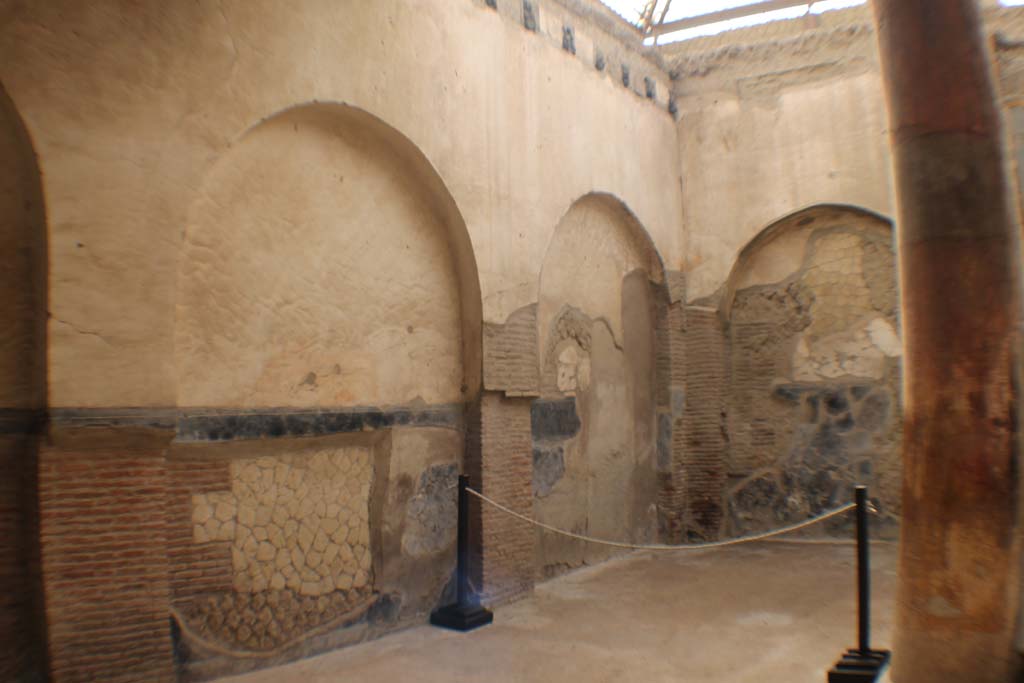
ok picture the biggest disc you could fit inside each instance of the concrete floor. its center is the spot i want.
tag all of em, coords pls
(759, 613)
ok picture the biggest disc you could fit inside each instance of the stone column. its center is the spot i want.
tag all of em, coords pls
(958, 269)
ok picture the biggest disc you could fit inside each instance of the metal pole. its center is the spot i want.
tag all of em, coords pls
(861, 664)
(466, 613)
(462, 557)
(863, 572)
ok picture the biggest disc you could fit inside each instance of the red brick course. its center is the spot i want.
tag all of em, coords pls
(103, 538)
(499, 429)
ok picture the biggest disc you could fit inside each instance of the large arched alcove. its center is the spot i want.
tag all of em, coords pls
(23, 291)
(811, 314)
(328, 337)
(594, 427)
(326, 264)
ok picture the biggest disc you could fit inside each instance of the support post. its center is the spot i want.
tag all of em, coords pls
(863, 572)
(862, 665)
(959, 261)
(466, 613)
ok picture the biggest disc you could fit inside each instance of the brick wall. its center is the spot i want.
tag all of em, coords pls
(103, 495)
(510, 354)
(499, 462)
(701, 443)
(671, 441)
(194, 569)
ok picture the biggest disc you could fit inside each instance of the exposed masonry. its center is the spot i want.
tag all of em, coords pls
(671, 383)
(701, 443)
(88, 551)
(761, 60)
(503, 566)
(597, 37)
(814, 397)
(298, 527)
(510, 354)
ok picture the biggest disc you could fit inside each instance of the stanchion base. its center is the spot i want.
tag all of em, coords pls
(461, 617)
(859, 667)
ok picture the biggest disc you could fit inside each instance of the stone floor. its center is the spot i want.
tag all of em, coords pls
(760, 613)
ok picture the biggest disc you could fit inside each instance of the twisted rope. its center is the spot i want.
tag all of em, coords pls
(640, 546)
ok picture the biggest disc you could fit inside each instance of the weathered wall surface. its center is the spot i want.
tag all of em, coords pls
(274, 229)
(516, 127)
(774, 119)
(285, 548)
(813, 398)
(594, 431)
(770, 124)
(316, 272)
(319, 283)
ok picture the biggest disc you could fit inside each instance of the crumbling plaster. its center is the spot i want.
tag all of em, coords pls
(784, 116)
(516, 129)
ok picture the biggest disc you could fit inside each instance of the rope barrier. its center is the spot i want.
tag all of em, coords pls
(639, 546)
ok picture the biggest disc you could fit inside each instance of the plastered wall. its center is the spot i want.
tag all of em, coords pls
(277, 238)
(294, 267)
(780, 124)
(594, 426)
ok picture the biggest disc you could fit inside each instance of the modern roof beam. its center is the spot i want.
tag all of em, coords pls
(725, 15)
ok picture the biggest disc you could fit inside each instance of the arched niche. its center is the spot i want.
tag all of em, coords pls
(594, 427)
(23, 395)
(328, 330)
(811, 315)
(326, 264)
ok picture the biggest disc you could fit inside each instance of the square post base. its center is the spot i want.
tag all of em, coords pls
(461, 617)
(859, 667)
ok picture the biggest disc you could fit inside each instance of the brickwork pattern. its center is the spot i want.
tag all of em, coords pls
(703, 444)
(103, 542)
(814, 383)
(194, 569)
(671, 372)
(499, 460)
(510, 354)
(753, 368)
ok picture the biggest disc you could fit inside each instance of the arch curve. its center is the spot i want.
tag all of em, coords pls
(805, 219)
(324, 154)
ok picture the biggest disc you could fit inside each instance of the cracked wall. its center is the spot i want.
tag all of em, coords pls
(813, 397)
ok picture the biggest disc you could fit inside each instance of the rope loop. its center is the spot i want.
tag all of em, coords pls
(640, 546)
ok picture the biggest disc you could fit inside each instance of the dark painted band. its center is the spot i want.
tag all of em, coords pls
(227, 424)
(19, 421)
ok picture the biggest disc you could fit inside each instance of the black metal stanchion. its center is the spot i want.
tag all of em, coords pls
(861, 665)
(466, 613)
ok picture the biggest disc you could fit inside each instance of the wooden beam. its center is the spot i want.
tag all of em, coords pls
(725, 15)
